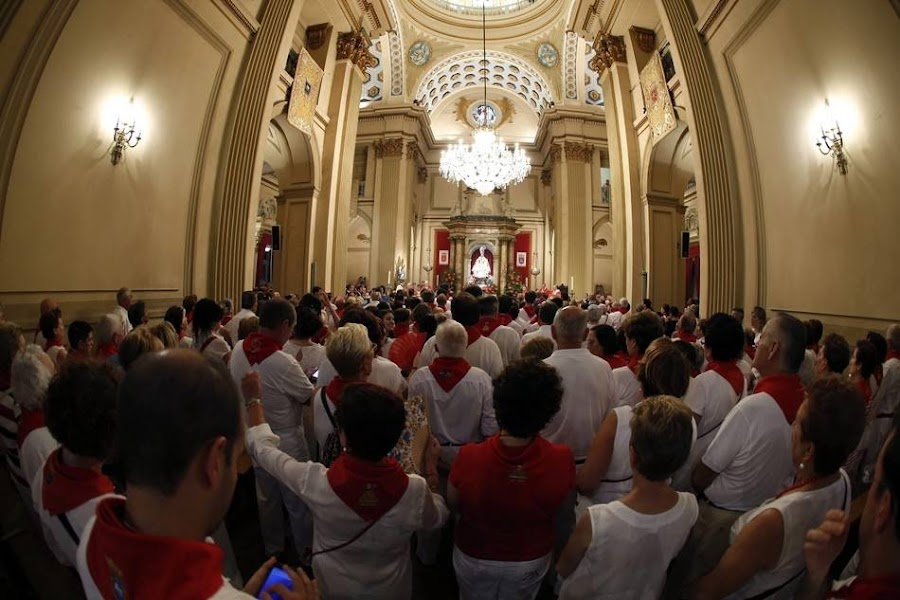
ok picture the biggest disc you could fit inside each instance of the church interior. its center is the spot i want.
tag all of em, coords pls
(722, 154)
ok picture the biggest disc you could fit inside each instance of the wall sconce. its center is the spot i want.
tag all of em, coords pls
(831, 141)
(535, 270)
(124, 137)
(428, 268)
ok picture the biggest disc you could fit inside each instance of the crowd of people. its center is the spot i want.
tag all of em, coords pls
(571, 448)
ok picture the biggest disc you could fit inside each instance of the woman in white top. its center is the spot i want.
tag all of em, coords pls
(52, 328)
(621, 550)
(361, 491)
(176, 317)
(206, 323)
(765, 557)
(606, 474)
(308, 353)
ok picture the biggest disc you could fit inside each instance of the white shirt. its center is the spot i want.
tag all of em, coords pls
(542, 331)
(36, 449)
(509, 343)
(58, 539)
(122, 313)
(463, 415)
(285, 389)
(618, 479)
(628, 390)
(800, 512)
(216, 349)
(313, 355)
(377, 565)
(482, 353)
(630, 551)
(235, 322)
(615, 319)
(889, 365)
(587, 398)
(384, 373)
(807, 370)
(516, 326)
(57, 354)
(751, 453)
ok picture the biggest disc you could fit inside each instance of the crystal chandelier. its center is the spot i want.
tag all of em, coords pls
(488, 163)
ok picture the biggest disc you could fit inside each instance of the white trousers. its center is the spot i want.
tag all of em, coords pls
(498, 580)
(270, 494)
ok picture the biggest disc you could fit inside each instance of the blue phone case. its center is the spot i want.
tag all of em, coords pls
(276, 575)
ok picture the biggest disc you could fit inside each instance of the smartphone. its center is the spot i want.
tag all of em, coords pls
(314, 377)
(276, 575)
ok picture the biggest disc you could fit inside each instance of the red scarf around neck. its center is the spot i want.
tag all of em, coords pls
(106, 350)
(487, 325)
(335, 389)
(886, 587)
(126, 564)
(505, 319)
(51, 344)
(474, 333)
(892, 354)
(67, 487)
(28, 422)
(750, 351)
(368, 489)
(786, 389)
(685, 336)
(862, 384)
(529, 310)
(449, 371)
(258, 347)
(633, 361)
(730, 372)
(617, 360)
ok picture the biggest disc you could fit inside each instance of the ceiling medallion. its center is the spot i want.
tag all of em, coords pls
(547, 55)
(486, 164)
(419, 53)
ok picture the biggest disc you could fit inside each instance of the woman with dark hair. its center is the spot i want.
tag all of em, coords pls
(603, 342)
(206, 322)
(365, 508)
(862, 368)
(509, 488)
(308, 353)
(188, 304)
(175, 315)
(53, 330)
(765, 557)
(606, 474)
(640, 329)
(881, 350)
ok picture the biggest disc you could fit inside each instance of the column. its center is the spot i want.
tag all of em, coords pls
(390, 223)
(573, 256)
(333, 210)
(624, 162)
(721, 241)
(231, 239)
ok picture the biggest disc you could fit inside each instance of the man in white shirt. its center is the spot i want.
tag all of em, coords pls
(481, 352)
(505, 337)
(546, 314)
(248, 309)
(123, 303)
(285, 391)
(616, 316)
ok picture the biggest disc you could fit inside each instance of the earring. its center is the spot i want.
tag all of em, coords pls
(801, 467)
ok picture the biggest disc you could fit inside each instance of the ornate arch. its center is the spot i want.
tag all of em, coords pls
(461, 71)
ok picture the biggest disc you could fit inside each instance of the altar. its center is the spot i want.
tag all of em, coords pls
(481, 249)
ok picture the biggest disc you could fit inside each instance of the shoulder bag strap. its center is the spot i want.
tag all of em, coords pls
(67, 525)
(350, 541)
(208, 341)
(328, 410)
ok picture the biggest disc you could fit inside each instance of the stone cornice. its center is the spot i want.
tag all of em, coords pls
(610, 49)
(354, 46)
(389, 147)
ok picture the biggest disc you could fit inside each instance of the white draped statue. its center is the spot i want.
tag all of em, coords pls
(482, 268)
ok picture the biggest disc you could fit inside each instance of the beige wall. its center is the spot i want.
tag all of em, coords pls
(826, 242)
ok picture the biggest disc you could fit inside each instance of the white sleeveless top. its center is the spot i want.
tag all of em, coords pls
(801, 511)
(618, 479)
(630, 551)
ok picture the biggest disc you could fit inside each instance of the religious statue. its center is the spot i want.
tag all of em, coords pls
(481, 270)
(400, 270)
(605, 192)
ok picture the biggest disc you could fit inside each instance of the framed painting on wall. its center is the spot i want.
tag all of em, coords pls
(443, 257)
(521, 259)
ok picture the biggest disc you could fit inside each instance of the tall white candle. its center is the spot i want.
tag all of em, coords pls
(571, 285)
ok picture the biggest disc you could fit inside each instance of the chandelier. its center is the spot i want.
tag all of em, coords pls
(486, 164)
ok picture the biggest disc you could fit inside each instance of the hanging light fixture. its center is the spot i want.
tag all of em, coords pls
(486, 164)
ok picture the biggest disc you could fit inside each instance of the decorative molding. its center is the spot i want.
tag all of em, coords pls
(609, 49)
(412, 151)
(422, 173)
(396, 52)
(644, 38)
(571, 45)
(555, 154)
(546, 176)
(579, 152)
(237, 13)
(354, 46)
(389, 147)
(317, 35)
(370, 11)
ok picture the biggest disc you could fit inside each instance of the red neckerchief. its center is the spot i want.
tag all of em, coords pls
(529, 310)
(886, 587)
(400, 329)
(623, 310)
(225, 320)
(67, 487)
(487, 325)
(729, 371)
(617, 360)
(750, 351)
(51, 344)
(126, 564)
(28, 422)
(258, 347)
(814, 348)
(474, 333)
(107, 350)
(892, 354)
(505, 319)
(862, 384)
(368, 489)
(786, 389)
(335, 389)
(633, 362)
(449, 371)
(685, 336)
(320, 335)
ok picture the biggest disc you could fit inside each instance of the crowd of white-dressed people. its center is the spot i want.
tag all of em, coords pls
(572, 448)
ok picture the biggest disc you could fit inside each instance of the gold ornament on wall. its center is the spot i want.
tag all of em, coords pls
(660, 112)
(305, 93)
